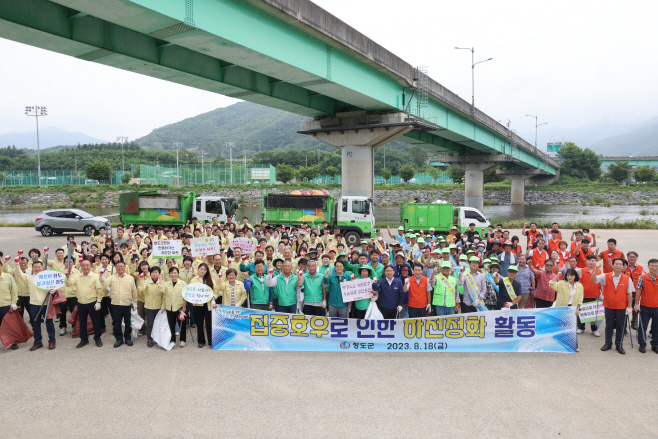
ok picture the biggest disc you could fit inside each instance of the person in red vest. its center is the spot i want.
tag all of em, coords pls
(608, 255)
(592, 291)
(530, 234)
(634, 271)
(420, 293)
(539, 255)
(617, 292)
(647, 306)
(582, 251)
(554, 241)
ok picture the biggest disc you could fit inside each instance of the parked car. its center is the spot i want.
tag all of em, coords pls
(70, 220)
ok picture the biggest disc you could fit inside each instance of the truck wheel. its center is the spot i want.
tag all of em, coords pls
(352, 239)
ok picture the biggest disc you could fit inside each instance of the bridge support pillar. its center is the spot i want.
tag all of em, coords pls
(357, 134)
(474, 167)
(518, 179)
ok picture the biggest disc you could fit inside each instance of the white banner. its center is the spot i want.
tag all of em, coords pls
(49, 280)
(356, 289)
(168, 249)
(592, 311)
(246, 245)
(205, 246)
(197, 293)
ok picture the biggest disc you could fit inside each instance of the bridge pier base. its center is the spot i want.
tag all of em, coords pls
(518, 178)
(474, 167)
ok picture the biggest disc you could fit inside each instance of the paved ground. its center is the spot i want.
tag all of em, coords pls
(138, 392)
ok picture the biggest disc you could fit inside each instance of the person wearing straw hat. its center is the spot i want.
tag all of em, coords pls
(509, 289)
(361, 305)
(445, 297)
(474, 284)
(452, 236)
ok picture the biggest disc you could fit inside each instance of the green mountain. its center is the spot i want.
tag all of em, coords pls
(641, 141)
(258, 127)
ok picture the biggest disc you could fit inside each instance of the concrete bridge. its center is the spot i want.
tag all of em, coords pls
(291, 55)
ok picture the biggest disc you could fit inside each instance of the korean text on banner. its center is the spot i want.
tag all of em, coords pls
(197, 293)
(356, 290)
(168, 249)
(525, 330)
(49, 280)
(205, 246)
(245, 244)
(592, 311)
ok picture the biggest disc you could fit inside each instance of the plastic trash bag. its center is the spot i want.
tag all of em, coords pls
(14, 330)
(136, 323)
(373, 313)
(161, 332)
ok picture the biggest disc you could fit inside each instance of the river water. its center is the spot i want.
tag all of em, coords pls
(391, 214)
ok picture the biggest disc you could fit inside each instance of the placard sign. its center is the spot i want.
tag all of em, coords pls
(208, 245)
(245, 244)
(197, 293)
(592, 311)
(49, 280)
(356, 289)
(168, 249)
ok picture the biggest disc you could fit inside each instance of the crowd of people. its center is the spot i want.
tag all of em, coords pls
(300, 270)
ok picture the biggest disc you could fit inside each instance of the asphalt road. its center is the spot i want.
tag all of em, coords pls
(137, 392)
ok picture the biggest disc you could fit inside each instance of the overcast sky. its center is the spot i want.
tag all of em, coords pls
(573, 63)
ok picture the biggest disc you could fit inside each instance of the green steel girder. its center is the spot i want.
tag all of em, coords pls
(234, 48)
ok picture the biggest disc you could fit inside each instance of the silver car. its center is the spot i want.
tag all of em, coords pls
(70, 220)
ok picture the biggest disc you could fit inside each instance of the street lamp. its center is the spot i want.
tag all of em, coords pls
(536, 126)
(473, 64)
(122, 140)
(177, 145)
(230, 146)
(203, 178)
(36, 112)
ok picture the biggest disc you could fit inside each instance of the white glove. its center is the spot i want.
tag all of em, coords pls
(508, 305)
(213, 303)
(13, 307)
(134, 306)
(428, 307)
(637, 307)
(324, 304)
(476, 303)
(97, 306)
(400, 309)
(629, 311)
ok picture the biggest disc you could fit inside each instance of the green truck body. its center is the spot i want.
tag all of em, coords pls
(155, 209)
(297, 209)
(441, 216)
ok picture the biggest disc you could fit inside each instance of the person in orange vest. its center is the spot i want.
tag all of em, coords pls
(420, 292)
(530, 234)
(539, 255)
(634, 271)
(647, 306)
(554, 241)
(592, 291)
(608, 255)
(582, 251)
(617, 292)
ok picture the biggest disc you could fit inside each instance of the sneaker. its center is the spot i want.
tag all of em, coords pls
(36, 346)
(579, 331)
(62, 331)
(577, 350)
(51, 346)
(596, 333)
(57, 318)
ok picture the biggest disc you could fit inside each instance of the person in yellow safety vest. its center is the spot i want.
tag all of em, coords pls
(445, 298)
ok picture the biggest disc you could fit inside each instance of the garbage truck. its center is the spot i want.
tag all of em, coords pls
(156, 209)
(441, 216)
(353, 215)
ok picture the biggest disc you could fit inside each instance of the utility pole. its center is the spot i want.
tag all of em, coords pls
(260, 146)
(203, 178)
(122, 140)
(473, 64)
(536, 127)
(36, 112)
(244, 161)
(230, 146)
(177, 145)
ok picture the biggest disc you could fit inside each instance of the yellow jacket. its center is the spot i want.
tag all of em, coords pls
(173, 296)
(8, 290)
(69, 291)
(239, 293)
(37, 296)
(216, 291)
(152, 292)
(564, 293)
(88, 289)
(235, 265)
(20, 282)
(123, 291)
(54, 264)
(186, 277)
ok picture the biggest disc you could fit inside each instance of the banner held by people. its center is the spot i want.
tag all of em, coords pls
(356, 289)
(592, 311)
(168, 249)
(49, 280)
(527, 330)
(197, 293)
(205, 246)
(246, 245)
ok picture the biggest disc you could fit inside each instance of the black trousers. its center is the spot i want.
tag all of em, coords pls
(463, 308)
(201, 314)
(311, 310)
(88, 310)
(172, 317)
(581, 325)
(417, 312)
(389, 313)
(121, 313)
(23, 304)
(106, 308)
(614, 322)
(265, 307)
(360, 313)
(3, 311)
(65, 307)
(541, 303)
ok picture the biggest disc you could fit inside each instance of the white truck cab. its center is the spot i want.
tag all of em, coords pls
(468, 215)
(355, 217)
(208, 207)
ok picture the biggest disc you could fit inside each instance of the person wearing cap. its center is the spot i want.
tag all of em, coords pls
(399, 235)
(647, 305)
(446, 257)
(385, 259)
(332, 295)
(463, 243)
(495, 249)
(491, 268)
(617, 301)
(507, 258)
(445, 297)
(474, 284)
(453, 235)
(361, 305)
(417, 252)
(431, 234)
(400, 263)
(509, 289)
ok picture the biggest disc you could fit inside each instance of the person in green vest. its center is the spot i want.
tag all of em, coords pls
(284, 288)
(260, 294)
(463, 262)
(354, 267)
(509, 289)
(309, 290)
(361, 305)
(445, 298)
(332, 293)
(326, 264)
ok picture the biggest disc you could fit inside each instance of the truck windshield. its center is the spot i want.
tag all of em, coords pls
(214, 206)
(470, 214)
(360, 207)
(229, 206)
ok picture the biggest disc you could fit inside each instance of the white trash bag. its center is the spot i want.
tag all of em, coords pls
(136, 322)
(161, 332)
(373, 313)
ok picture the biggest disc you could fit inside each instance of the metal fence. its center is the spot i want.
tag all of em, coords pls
(49, 178)
(206, 174)
(419, 178)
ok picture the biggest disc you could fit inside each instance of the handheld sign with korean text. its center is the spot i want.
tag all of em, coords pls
(49, 280)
